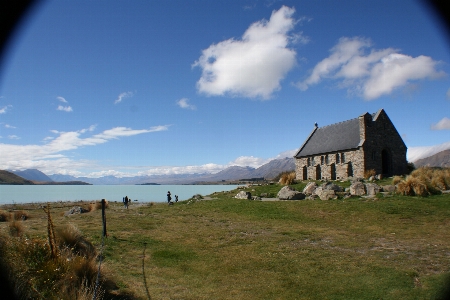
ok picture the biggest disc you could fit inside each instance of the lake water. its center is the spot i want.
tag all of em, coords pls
(143, 193)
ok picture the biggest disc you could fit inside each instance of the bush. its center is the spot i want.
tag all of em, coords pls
(396, 180)
(71, 238)
(4, 216)
(97, 205)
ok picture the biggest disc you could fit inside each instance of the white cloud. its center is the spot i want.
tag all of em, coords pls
(373, 73)
(64, 108)
(252, 66)
(123, 96)
(250, 161)
(9, 126)
(49, 156)
(4, 109)
(442, 124)
(416, 153)
(183, 103)
(13, 137)
(61, 99)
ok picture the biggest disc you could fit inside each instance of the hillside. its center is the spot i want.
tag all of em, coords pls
(32, 174)
(11, 178)
(440, 159)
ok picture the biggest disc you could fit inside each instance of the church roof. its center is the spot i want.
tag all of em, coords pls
(335, 137)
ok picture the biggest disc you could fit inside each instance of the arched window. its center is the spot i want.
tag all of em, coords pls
(326, 159)
(308, 162)
(321, 160)
(342, 157)
(337, 158)
(312, 161)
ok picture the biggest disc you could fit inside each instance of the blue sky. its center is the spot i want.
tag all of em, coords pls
(125, 88)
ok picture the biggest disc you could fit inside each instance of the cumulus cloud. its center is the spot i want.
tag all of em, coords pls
(183, 103)
(416, 153)
(61, 99)
(4, 109)
(123, 96)
(51, 152)
(442, 124)
(368, 72)
(64, 108)
(9, 126)
(254, 65)
(250, 161)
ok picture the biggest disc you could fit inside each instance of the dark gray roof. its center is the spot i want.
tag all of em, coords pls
(335, 137)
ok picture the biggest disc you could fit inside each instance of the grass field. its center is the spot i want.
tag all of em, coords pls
(394, 247)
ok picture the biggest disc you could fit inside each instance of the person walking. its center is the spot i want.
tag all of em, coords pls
(169, 198)
(176, 198)
(126, 202)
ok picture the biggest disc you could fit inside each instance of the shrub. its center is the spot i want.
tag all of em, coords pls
(412, 186)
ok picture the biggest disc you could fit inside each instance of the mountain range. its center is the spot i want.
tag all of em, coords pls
(267, 171)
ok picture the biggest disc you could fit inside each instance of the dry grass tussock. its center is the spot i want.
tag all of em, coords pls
(35, 274)
(369, 173)
(97, 205)
(423, 182)
(287, 178)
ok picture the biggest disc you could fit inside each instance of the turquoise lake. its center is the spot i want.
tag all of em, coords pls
(143, 193)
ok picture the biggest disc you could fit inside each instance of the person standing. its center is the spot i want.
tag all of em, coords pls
(169, 198)
(126, 202)
(176, 198)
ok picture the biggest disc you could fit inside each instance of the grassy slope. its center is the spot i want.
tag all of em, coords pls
(11, 178)
(389, 248)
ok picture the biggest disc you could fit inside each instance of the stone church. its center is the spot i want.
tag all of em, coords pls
(349, 148)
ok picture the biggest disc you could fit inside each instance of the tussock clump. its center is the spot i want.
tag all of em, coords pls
(97, 205)
(15, 228)
(396, 179)
(424, 181)
(287, 178)
(369, 173)
(4, 216)
(20, 215)
(71, 238)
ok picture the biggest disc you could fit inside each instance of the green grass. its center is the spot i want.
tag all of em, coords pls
(382, 248)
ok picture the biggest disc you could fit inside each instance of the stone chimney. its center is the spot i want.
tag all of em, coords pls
(363, 123)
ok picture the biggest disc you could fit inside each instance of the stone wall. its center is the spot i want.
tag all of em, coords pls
(341, 161)
(382, 139)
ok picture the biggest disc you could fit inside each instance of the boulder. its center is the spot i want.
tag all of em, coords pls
(326, 194)
(357, 189)
(75, 211)
(372, 189)
(309, 188)
(331, 186)
(388, 188)
(243, 195)
(288, 193)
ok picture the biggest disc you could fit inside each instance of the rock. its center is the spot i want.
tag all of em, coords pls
(288, 193)
(331, 186)
(263, 195)
(256, 198)
(309, 188)
(326, 194)
(75, 211)
(388, 188)
(372, 189)
(378, 176)
(243, 195)
(371, 178)
(357, 189)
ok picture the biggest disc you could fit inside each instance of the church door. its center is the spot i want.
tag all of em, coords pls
(318, 173)
(386, 162)
(333, 171)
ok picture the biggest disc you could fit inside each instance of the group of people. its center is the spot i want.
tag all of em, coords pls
(126, 201)
(169, 198)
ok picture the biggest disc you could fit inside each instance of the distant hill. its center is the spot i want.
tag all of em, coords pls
(7, 177)
(440, 159)
(268, 171)
(32, 174)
